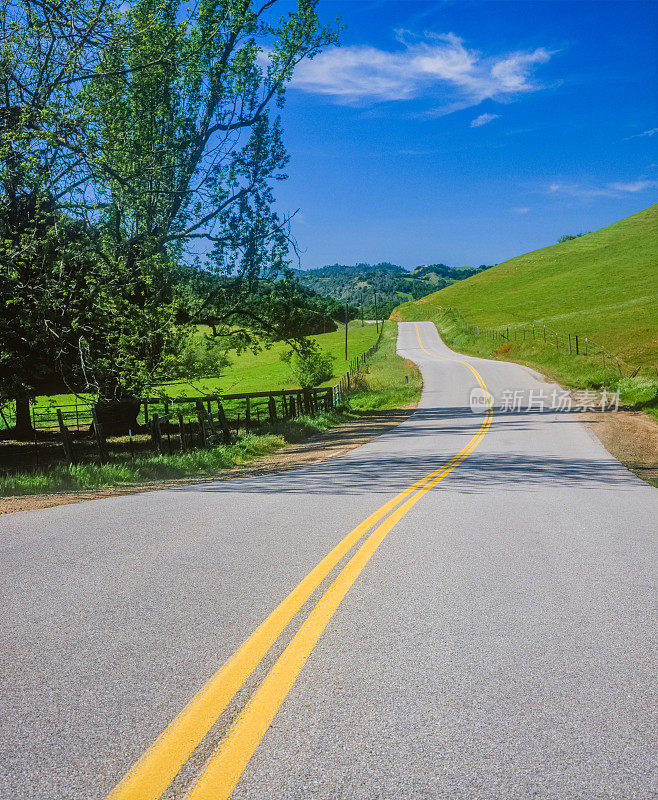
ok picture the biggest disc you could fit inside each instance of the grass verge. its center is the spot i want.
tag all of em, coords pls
(576, 372)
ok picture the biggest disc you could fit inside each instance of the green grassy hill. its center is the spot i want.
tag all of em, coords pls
(603, 285)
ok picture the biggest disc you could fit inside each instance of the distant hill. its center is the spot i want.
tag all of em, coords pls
(393, 284)
(603, 285)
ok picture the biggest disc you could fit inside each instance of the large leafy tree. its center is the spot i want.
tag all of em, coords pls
(139, 139)
(184, 117)
(47, 267)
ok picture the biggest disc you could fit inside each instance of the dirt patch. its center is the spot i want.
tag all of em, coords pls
(631, 437)
(334, 442)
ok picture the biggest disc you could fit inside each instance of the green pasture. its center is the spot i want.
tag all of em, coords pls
(262, 371)
(247, 372)
(603, 286)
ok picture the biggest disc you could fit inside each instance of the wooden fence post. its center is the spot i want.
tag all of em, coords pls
(223, 423)
(202, 416)
(156, 434)
(99, 433)
(66, 439)
(247, 413)
(271, 408)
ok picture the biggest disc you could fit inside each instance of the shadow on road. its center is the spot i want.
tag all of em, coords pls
(417, 447)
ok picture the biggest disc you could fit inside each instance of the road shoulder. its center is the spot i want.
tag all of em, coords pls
(631, 437)
(334, 442)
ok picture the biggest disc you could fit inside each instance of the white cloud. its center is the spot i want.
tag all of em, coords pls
(650, 132)
(632, 186)
(439, 65)
(523, 210)
(613, 189)
(483, 119)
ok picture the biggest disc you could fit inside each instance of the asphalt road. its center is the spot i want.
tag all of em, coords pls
(486, 635)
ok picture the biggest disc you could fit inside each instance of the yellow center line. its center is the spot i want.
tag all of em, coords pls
(155, 770)
(223, 771)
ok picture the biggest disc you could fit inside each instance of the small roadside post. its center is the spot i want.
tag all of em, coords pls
(66, 439)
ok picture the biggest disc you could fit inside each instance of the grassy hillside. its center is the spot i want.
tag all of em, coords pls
(603, 286)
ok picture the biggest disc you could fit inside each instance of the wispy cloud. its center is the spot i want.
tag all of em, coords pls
(523, 210)
(633, 186)
(436, 65)
(650, 132)
(613, 189)
(483, 119)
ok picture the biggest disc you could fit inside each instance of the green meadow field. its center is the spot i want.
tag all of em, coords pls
(252, 372)
(258, 372)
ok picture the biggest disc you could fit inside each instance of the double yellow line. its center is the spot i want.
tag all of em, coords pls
(156, 769)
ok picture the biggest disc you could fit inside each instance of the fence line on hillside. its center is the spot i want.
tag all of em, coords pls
(346, 384)
(572, 343)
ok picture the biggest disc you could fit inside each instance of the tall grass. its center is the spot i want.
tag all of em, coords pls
(123, 471)
(382, 385)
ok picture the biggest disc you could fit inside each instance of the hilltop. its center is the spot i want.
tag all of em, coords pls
(602, 285)
(393, 284)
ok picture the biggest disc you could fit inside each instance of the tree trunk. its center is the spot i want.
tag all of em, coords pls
(118, 416)
(23, 420)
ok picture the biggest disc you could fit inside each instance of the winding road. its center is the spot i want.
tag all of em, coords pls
(459, 609)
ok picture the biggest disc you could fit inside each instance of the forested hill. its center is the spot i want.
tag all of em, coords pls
(393, 284)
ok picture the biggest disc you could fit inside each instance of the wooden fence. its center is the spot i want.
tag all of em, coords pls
(178, 424)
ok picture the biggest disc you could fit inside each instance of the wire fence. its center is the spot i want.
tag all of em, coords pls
(346, 384)
(539, 333)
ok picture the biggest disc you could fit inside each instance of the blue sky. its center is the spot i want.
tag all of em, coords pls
(470, 132)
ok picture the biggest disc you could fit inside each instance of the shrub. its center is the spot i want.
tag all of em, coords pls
(311, 369)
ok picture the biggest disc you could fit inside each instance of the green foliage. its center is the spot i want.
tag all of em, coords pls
(311, 369)
(358, 284)
(137, 138)
(202, 357)
(568, 237)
